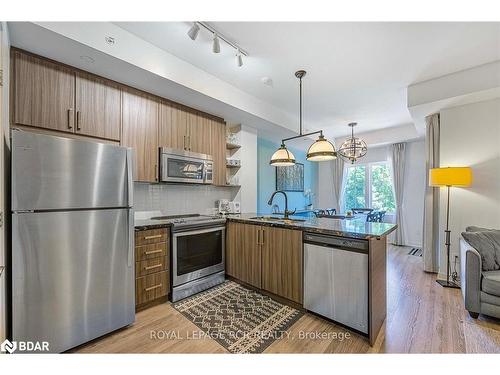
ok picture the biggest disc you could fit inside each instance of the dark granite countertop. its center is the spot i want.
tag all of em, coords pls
(142, 224)
(352, 228)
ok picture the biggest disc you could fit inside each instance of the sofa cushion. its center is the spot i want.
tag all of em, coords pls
(487, 244)
(491, 283)
(473, 228)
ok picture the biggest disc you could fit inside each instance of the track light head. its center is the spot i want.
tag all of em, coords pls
(239, 59)
(216, 44)
(193, 31)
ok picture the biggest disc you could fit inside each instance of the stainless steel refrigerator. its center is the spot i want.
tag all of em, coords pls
(72, 239)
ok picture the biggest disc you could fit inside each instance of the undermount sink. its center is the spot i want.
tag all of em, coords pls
(274, 218)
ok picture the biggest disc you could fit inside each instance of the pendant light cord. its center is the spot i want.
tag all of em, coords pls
(300, 104)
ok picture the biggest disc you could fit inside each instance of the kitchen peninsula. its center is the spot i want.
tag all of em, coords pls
(335, 268)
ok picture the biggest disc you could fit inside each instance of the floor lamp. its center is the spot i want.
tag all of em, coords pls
(448, 177)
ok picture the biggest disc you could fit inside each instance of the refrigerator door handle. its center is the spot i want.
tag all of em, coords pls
(131, 232)
(130, 177)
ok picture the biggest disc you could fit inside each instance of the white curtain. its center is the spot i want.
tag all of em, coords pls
(431, 205)
(338, 180)
(398, 172)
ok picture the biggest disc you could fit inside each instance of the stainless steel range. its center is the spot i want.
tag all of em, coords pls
(198, 247)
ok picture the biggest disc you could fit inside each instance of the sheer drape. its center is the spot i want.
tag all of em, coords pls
(398, 171)
(431, 207)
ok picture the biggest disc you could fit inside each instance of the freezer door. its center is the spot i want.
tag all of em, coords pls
(73, 278)
(51, 172)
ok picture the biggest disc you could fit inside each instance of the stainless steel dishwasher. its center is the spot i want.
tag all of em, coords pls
(336, 279)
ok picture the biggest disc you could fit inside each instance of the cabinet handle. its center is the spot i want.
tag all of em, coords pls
(78, 120)
(189, 142)
(153, 288)
(152, 252)
(152, 237)
(263, 237)
(184, 142)
(147, 268)
(156, 172)
(70, 115)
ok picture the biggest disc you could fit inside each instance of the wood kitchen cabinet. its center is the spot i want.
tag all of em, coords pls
(243, 253)
(266, 257)
(98, 107)
(218, 142)
(140, 131)
(152, 278)
(44, 93)
(173, 128)
(282, 256)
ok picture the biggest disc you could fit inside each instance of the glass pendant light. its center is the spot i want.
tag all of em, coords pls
(353, 148)
(321, 150)
(282, 157)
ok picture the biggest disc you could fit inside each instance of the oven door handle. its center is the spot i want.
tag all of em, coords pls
(199, 231)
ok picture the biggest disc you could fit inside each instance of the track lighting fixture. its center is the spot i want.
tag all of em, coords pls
(193, 31)
(217, 37)
(239, 59)
(216, 44)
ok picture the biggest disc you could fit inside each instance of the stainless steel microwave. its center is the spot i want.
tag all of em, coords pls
(185, 166)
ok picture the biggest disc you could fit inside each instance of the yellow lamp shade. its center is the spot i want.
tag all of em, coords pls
(451, 176)
(282, 157)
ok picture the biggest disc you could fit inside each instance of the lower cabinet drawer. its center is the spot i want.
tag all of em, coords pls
(150, 251)
(147, 267)
(150, 287)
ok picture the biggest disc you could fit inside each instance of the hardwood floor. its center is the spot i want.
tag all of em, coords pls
(422, 317)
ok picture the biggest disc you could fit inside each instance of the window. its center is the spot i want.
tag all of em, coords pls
(369, 185)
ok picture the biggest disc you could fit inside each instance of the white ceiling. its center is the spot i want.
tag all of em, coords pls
(356, 71)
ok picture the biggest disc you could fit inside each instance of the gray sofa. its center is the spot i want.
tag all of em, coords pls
(480, 289)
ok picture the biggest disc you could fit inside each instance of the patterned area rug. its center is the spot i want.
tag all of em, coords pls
(240, 319)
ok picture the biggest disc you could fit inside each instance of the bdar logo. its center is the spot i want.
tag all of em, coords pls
(8, 346)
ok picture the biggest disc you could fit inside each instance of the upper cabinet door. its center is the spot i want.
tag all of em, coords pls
(218, 151)
(98, 107)
(44, 93)
(199, 136)
(140, 131)
(173, 126)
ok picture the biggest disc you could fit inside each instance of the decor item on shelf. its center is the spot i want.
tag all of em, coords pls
(217, 37)
(353, 148)
(290, 178)
(448, 177)
(233, 162)
(320, 150)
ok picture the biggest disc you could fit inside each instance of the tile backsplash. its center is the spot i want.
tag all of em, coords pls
(173, 199)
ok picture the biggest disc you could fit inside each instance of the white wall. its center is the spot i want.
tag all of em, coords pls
(470, 136)
(248, 172)
(414, 185)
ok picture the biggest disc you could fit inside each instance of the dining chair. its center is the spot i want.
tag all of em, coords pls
(375, 216)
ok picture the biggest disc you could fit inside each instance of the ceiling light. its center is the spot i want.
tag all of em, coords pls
(282, 157)
(216, 44)
(239, 59)
(193, 31)
(353, 148)
(320, 150)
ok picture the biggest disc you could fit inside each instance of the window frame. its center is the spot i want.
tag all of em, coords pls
(368, 182)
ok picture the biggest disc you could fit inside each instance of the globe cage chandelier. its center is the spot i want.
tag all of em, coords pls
(353, 148)
(320, 150)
